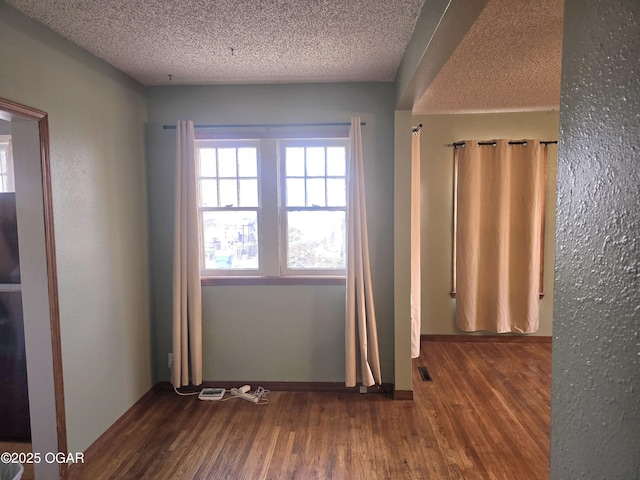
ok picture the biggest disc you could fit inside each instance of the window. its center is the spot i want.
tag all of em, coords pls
(314, 196)
(229, 206)
(273, 207)
(6, 165)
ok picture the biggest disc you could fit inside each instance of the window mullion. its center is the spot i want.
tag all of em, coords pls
(270, 218)
(217, 179)
(306, 178)
(237, 179)
(326, 187)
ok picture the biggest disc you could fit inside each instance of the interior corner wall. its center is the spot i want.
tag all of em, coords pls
(402, 249)
(96, 128)
(268, 332)
(437, 135)
(595, 403)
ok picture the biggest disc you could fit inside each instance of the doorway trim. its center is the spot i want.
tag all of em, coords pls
(12, 108)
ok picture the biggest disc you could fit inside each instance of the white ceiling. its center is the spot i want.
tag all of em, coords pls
(237, 41)
(514, 46)
(509, 60)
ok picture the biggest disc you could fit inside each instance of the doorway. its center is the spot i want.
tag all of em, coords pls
(37, 284)
(14, 398)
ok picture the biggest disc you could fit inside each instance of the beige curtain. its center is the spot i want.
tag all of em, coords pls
(187, 305)
(500, 202)
(415, 246)
(361, 337)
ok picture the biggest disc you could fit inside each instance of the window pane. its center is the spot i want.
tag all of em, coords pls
(316, 240)
(227, 162)
(295, 192)
(315, 192)
(294, 159)
(7, 183)
(228, 193)
(208, 193)
(336, 161)
(3, 172)
(230, 240)
(207, 162)
(248, 193)
(315, 162)
(336, 192)
(9, 252)
(247, 162)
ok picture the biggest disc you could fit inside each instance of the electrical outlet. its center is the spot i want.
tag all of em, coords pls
(170, 360)
(363, 389)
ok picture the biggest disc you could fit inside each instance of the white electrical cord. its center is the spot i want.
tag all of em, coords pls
(261, 393)
(185, 394)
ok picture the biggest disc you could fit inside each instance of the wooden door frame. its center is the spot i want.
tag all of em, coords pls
(41, 117)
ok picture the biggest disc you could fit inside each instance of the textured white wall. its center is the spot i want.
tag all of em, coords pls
(96, 120)
(595, 405)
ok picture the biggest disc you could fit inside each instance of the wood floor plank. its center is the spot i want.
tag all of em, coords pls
(485, 415)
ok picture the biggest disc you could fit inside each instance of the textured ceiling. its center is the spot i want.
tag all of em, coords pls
(509, 60)
(237, 41)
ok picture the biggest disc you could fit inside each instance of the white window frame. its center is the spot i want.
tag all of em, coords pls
(271, 212)
(6, 172)
(284, 209)
(212, 272)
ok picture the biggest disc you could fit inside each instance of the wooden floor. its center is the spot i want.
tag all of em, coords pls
(484, 416)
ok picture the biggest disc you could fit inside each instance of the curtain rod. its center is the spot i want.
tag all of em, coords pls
(269, 125)
(415, 130)
(493, 144)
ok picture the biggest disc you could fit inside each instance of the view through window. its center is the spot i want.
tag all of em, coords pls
(272, 207)
(6, 165)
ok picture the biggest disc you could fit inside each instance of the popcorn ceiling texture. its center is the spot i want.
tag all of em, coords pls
(273, 41)
(509, 60)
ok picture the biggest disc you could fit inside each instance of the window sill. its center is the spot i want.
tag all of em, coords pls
(290, 280)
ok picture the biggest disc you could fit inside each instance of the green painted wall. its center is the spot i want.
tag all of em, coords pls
(273, 333)
(402, 249)
(96, 120)
(595, 403)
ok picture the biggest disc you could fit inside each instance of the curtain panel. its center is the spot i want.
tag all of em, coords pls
(416, 289)
(361, 337)
(500, 211)
(187, 303)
